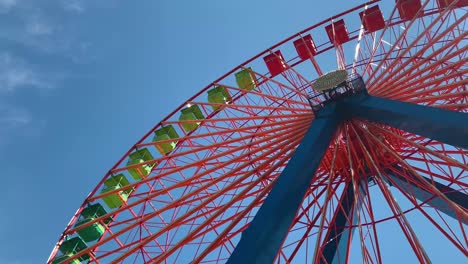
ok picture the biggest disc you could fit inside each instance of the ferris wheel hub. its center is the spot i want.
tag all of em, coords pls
(330, 80)
(334, 86)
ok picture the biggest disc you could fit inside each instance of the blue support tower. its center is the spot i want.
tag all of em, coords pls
(262, 239)
(336, 238)
(442, 125)
(438, 203)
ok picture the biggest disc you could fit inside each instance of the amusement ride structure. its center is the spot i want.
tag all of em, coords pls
(286, 159)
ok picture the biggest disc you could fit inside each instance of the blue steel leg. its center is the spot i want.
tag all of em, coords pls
(445, 126)
(438, 203)
(337, 238)
(261, 241)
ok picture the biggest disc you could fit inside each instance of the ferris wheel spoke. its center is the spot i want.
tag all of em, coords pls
(189, 180)
(412, 199)
(227, 131)
(406, 77)
(427, 81)
(452, 93)
(309, 223)
(182, 183)
(266, 82)
(445, 158)
(327, 199)
(273, 97)
(206, 251)
(358, 200)
(437, 171)
(179, 220)
(239, 108)
(370, 158)
(434, 77)
(398, 213)
(368, 206)
(204, 194)
(459, 210)
(161, 174)
(396, 69)
(244, 177)
(402, 221)
(419, 186)
(376, 45)
(291, 75)
(412, 196)
(393, 48)
(216, 242)
(427, 121)
(247, 118)
(358, 44)
(336, 229)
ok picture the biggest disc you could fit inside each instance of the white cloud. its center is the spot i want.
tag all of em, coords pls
(7, 5)
(76, 6)
(13, 120)
(18, 123)
(15, 74)
(13, 117)
(37, 27)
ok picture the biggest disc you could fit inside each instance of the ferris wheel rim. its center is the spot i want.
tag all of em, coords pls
(206, 88)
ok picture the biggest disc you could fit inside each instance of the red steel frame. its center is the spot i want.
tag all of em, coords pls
(202, 195)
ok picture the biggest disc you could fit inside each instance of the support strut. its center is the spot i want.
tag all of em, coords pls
(337, 235)
(442, 125)
(414, 189)
(261, 241)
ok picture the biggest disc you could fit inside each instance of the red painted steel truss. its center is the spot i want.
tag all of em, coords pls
(200, 196)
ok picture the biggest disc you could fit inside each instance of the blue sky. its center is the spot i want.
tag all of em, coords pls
(82, 81)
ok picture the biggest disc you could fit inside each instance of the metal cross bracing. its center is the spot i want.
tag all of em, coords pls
(386, 155)
(262, 240)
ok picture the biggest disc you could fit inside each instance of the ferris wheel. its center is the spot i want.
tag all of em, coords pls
(339, 144)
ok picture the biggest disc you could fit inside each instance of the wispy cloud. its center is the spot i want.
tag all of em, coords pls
(7, 5)
(15, 73)
(76, 6)
(39, 27)
(19, 123)
(38, 41)
(13, 117)
(12, 121)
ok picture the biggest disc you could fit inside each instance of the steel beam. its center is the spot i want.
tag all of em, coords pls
(414, 189)
(261, 241)
(442, 125)
(336, 238)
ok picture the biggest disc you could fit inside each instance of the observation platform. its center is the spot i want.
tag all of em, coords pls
(334, 86)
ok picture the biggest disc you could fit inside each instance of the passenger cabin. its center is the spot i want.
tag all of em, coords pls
(275, 63)
(446, 3)
(191, 113)
(372, 19)
(246, 79)
(72, 246)
(165, 133)
(140, 156)
(409, 8)
(95, 230)
(337, 32)
(64, 260)
(116, 199)
(305, 47)
(218, 95)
